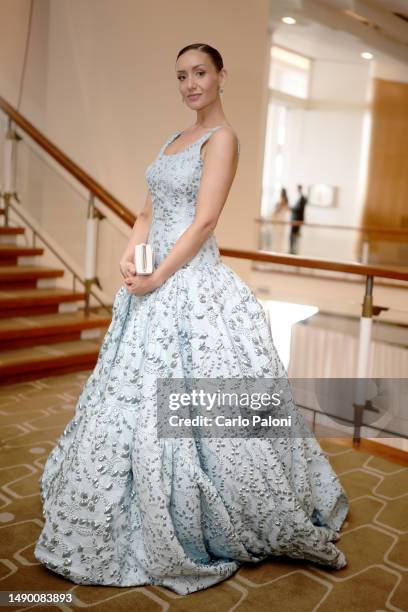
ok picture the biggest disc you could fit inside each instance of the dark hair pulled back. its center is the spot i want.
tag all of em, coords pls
(213, 53)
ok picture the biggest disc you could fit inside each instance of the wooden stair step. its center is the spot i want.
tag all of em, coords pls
(39, 325)
(9, 254)
(26, 276)
(36, 300)
(11, 231)
(10, 272)
(43, 360)
(23, 332)
(15, 250)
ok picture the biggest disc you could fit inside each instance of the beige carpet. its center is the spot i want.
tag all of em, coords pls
(374, 538)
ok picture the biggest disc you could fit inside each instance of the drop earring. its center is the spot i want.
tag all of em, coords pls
(221, 91)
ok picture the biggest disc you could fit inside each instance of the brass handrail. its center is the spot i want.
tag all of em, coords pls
(395, 272)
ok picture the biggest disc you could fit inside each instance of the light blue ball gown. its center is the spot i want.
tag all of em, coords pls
(125, 507)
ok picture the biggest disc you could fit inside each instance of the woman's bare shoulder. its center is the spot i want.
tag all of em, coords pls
(227, 135)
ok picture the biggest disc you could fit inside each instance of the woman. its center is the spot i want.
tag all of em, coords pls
(281, 212)
(124, 506)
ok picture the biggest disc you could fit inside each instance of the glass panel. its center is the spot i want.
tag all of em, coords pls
(320, 342)
(56, 206)
(339, 244)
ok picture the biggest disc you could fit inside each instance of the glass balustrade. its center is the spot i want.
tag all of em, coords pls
(54, 208)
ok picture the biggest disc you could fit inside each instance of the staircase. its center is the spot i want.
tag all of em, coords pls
(44, 330)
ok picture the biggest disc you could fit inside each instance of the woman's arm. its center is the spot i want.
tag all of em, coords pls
(219, 168)
(140, 232)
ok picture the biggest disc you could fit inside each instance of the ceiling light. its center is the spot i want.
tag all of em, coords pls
(367, 55)
(289, 20)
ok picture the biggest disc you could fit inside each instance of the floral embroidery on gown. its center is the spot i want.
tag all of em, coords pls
(124, 507)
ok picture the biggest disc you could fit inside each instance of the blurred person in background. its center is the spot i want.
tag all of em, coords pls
(281, 212)
(298, 214)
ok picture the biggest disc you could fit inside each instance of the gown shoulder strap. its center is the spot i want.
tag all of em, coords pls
(169, 140)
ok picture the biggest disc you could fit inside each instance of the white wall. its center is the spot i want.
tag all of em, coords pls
(14, 35)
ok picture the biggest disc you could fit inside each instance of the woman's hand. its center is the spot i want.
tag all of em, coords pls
(142, 284)
(127, 267)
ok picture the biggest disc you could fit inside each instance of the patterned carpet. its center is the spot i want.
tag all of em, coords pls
(374, 538)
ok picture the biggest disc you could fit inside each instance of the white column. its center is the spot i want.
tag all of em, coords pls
(90, 254)
(363, 357)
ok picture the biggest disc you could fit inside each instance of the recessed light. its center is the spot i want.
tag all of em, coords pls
(289, 20)
(367, 55)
